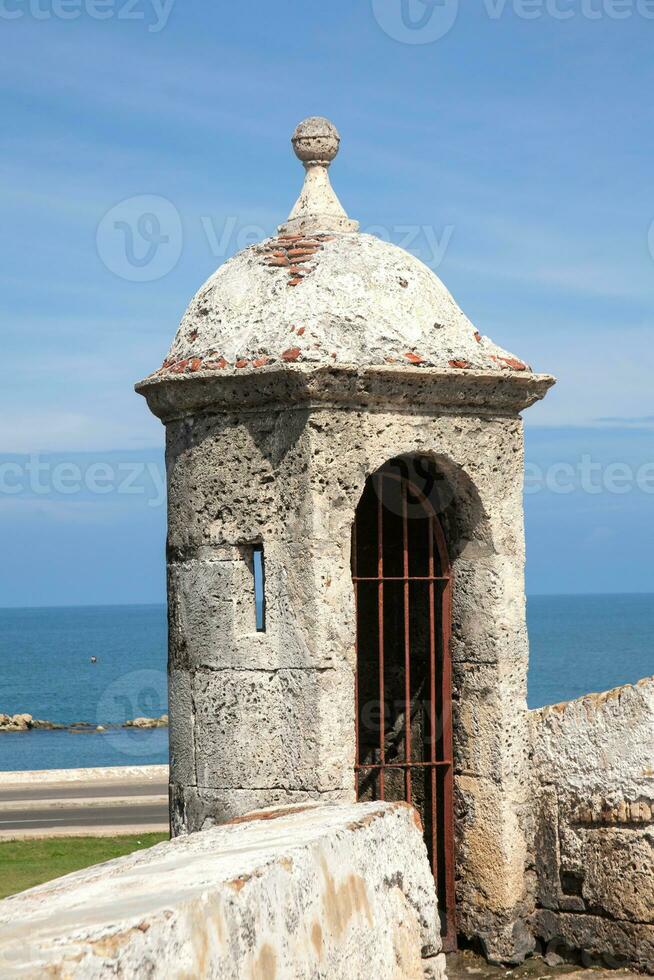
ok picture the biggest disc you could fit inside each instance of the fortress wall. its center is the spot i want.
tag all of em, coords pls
(593, 765)
(338, 891)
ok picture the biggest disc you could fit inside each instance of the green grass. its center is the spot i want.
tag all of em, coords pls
(25, 863)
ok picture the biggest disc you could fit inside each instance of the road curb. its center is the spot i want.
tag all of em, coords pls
(124, 830)
(106, 774)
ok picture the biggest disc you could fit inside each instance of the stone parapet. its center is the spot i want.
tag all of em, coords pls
(593, 765)
(317, 890)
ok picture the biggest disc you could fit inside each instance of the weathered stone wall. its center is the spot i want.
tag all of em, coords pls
(265, 718)
(339, 892)
(593, 763)
(256, 718)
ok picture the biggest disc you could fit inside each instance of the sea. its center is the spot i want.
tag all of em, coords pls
(104, 665)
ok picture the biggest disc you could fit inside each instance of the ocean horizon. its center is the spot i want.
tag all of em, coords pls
(579, 643)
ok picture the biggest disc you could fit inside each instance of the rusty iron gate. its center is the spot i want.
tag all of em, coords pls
(402, 585)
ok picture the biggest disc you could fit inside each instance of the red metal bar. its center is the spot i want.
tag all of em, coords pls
(433, 721)
(402, 578)
(440, 753)
(448, 788)
(380, 600)
(407, 644)
(407, 765)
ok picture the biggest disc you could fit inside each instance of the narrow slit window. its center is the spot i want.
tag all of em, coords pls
(259, 588)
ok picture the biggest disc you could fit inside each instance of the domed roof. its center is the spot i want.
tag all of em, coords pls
(322, 293)
(335, 298)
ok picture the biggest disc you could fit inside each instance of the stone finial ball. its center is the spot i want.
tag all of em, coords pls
(316, 140)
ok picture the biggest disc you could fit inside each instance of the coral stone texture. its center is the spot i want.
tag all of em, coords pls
(300, 369)
(341, 892)
(339, 298)
(593, 763)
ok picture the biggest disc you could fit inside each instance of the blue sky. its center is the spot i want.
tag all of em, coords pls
(513, 153)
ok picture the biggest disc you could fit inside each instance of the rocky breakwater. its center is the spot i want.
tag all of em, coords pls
(161, 722)
(24, 722)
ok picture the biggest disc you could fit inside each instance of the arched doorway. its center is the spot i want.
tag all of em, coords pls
(402, 584)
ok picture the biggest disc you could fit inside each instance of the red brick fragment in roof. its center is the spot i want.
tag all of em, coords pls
(477, 336)
(300, 331)
(459, 364)
(260, 362)
(241, 363)
(290, 252)
(195, 364)
(414, 358)
(215, 362)
(513, 363)
(291, 354)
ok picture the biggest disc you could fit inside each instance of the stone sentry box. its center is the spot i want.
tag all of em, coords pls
(303, 366)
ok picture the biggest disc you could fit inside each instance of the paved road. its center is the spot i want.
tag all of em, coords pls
(102, 816)
(81, 791)
(48, 808)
